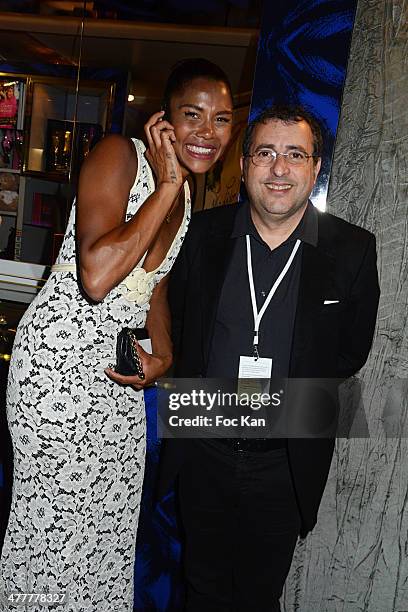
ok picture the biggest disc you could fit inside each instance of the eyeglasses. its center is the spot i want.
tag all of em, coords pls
(267, 157)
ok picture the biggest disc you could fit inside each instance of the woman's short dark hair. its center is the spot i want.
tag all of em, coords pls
(288, 114)
(186, 71)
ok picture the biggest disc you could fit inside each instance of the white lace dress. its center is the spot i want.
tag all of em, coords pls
(78, 437)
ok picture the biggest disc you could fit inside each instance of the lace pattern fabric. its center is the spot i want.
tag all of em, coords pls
(78, 438)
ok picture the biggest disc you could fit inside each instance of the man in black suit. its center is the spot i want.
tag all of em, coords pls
(244, 502)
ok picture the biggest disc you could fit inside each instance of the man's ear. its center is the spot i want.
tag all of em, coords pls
(317, 167)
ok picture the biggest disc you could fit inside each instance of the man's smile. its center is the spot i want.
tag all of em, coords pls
(278, 186)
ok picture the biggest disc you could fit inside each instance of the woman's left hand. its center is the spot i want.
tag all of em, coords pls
(154, 366)
(160, 152)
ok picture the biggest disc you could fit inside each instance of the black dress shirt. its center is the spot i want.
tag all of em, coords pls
(234, 325)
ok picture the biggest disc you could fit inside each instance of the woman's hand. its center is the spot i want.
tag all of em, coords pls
(160, 153)
(154, 366)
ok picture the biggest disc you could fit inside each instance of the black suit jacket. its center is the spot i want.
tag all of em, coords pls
(329, 341)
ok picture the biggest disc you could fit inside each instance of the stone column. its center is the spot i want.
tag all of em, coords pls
(357, 557)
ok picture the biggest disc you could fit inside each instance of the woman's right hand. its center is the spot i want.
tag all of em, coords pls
(160, 153)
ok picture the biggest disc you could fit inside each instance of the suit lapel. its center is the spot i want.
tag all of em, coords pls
(316, 283)
(216, 255)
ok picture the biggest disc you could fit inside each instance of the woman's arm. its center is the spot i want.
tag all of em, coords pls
(158, 325)
(110, 247)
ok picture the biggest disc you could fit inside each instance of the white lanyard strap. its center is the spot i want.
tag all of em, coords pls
(258, 315)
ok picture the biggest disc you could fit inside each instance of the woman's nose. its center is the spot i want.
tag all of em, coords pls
(206, 129)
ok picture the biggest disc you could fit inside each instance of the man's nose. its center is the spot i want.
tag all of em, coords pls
(280, 166)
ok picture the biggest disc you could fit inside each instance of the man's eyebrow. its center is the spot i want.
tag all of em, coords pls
(288, 147)
(200, 108)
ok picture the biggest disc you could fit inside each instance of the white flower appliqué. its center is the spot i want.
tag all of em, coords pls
(138, 286)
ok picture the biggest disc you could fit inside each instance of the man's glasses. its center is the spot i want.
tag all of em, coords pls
(267, 157)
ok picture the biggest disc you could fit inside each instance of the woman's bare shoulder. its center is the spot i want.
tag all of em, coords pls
(114, 157)
(114, 145)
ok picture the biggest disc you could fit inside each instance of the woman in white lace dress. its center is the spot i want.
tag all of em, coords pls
(78, 435)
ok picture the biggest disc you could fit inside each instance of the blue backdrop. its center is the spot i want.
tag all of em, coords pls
(158, 583)
(302, 59)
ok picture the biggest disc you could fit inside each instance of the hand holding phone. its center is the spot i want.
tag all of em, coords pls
(160, 153)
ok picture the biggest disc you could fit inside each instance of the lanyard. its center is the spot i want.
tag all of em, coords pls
(258, 315)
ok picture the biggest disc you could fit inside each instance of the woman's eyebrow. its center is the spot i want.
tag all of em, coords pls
(200, 108)
(195, 106)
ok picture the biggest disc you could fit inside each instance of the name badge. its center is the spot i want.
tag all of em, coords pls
(254, 375)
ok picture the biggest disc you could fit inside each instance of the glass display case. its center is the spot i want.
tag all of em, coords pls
(65, 124)
(48, 126)
(12, 95)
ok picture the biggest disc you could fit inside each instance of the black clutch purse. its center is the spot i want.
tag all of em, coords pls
(127, 358)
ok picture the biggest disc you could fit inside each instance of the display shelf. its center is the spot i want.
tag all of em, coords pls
(65, 125)
(20, 281)
(10, 170)
(49, 122)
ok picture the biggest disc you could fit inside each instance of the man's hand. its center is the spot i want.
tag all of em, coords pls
(153, 366)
